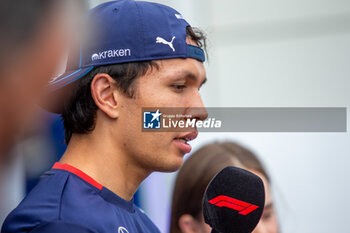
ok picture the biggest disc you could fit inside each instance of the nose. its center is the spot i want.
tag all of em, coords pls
(197, 109)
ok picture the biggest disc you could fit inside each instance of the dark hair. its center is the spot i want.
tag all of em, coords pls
(199, 169)
(80, 111)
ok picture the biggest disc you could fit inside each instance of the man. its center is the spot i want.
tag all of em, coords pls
(134, 55)
(32, 44)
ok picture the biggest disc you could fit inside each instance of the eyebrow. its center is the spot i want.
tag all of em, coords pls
(187, 74)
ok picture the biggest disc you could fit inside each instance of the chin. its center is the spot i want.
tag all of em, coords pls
(171, 165)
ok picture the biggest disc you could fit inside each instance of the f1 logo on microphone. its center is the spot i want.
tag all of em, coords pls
(244, 208)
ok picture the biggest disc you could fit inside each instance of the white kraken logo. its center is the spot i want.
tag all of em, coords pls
(95, 56)
(112, 53)
(163, 41)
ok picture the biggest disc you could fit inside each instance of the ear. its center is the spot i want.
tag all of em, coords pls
(188, 224)
(104, 94)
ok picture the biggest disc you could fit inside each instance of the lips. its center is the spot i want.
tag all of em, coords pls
(182, 142)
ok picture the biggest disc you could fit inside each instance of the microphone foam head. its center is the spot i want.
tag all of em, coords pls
(234, 201)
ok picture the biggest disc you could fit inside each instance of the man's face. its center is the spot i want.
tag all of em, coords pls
(175, 84)
(24, 77)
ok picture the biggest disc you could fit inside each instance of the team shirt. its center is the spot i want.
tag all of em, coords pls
(66, 200)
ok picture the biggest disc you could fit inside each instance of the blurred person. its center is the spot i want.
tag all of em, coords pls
(135, 54)
(194, 177)
(34, 36)
(33, 41)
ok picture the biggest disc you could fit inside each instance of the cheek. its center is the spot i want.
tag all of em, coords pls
(152, 93)
(154, 150)
(269, 225)
(130, 124)
(206, 228)
(272, 224)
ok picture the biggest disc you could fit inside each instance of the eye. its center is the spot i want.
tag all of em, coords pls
(178, 87)
(267, 215)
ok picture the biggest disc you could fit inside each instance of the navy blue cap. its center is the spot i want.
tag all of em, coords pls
(128, 31)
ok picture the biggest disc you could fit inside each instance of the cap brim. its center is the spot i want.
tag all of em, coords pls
(59, 89)
(67, 78)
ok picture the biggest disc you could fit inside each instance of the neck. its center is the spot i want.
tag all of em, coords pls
(105, 163)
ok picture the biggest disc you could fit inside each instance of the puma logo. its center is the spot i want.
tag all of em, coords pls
(163, 41)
